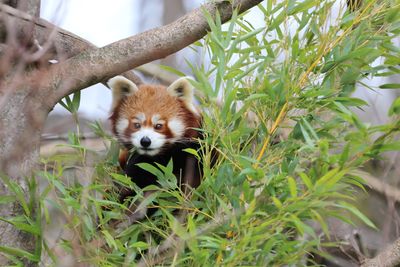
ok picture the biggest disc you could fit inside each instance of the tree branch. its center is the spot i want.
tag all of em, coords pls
(97, 65)
(389, 257)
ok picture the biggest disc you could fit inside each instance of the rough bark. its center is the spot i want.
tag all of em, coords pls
(21, 119)
(28, 94)
(16, 108)
(31, 7)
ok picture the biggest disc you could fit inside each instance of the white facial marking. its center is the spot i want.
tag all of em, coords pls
(140, 117)
(176, 126)
(121, 126)
(155, 119)
(157, 141)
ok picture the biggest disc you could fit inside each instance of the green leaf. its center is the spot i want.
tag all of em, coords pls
(7, 199)
(19, 253)
(292, 187)
(351, 101)
(192, 152)
(390, 86)
(395, 107)
(306, 136)
(277, 202)
(109, 239)
(140, 245)
(76, 100)
(395, 146)
(317, 217)
(122, 179)
(356, 212)
(306, 180)
(64, 105)
(172, 70)
(19, 193)
(301, 6)
(32, 229)
(310, 129)
(151, 169)
(301, 226)
(329, 179)
(249, 35)
(358, 53)
(176, 226)
(345, 155)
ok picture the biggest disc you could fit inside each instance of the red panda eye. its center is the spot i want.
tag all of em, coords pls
(158, 126)
(136, 125)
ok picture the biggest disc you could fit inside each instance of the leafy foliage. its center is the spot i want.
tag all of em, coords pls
(278, 110)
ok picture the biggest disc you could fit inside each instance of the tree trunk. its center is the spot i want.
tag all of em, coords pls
(22, 116)
(21, 120)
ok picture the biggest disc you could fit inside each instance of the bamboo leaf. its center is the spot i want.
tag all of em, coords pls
(357, 213)
(390, 86)
(292, 187)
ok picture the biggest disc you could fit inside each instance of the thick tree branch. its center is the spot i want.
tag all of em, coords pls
(389, 257)
(96, 65)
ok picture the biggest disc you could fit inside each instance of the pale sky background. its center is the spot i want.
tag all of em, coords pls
(100, 22)
(105, 21)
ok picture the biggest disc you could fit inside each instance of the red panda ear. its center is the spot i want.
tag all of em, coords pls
(182, 89)
(121, 87)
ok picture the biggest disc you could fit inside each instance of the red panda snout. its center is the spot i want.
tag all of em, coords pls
(149, 137)
(148, 142)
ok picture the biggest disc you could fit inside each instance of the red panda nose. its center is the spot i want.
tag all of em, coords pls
(145, 142)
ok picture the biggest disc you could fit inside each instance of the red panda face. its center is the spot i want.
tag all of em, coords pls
(151, 118)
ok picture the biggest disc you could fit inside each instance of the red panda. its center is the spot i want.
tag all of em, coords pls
(154, 124)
